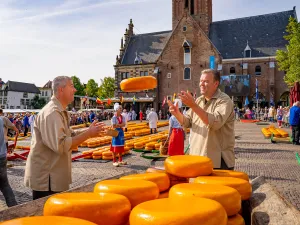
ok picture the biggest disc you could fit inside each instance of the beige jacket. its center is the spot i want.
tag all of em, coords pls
(217, 139)
(50, 155)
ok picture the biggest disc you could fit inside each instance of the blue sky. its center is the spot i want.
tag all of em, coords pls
(42, 39)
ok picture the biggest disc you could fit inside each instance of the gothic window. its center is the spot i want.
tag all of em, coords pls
(187, 56)
(187, 73)
(186, 5)
(232, 70)
(258, 70)
(192, 7)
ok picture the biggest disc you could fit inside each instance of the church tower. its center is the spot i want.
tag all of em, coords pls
(200, 10)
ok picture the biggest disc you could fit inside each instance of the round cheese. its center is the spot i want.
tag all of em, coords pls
(138, 84)
(242, 186)
(189, 166)
(47, 220)
(236, 220)
(137, 191)
(160, 179)
(230, 173)
(228, 197)
(154, 170)
(190, 211)
(102, 208)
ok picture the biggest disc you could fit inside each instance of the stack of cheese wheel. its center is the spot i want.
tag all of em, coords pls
(228, 197)
(47, 220)
(137, 191)
(230, 173)
(107, 155)
(242, 186)
(160, 179)
(190, 211)
(189, 166)
(102, 208)
(236, 220)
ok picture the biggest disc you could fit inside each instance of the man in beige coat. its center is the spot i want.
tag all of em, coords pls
(211, 118)
(48, 167)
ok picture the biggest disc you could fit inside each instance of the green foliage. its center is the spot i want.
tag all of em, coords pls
(91, 88)
(78, 85)
(107, 88)
(289, 60)
(37, 102)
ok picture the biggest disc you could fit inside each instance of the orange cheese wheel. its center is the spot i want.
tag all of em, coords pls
(236, 220)
(242, 186)
(97, 157)
(189, 166)
(107, 153)
(228, 197)
(97, 153)
(164, 194)
(160, 179)
(107, 157)
(230, 173)
(189, 211)
(155, 170)
(47, 220)
(102, 209)
(137, 84)
(137, 191)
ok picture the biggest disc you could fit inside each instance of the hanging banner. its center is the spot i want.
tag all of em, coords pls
(212, 62)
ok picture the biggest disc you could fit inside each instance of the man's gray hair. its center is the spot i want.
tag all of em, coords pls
(60, 81)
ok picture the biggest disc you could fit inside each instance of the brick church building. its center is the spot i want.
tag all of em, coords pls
(242, 46)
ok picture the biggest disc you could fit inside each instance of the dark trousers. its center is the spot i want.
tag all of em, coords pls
(5, 188)
(224, 166)
(25, 131)
(296, 134)
(153, 130)
(42, 194)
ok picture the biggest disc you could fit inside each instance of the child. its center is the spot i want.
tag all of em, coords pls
(117, 144)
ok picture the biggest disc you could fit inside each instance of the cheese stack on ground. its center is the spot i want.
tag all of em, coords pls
(102, 209)
(137, 191)
(242, 186)
(236, 220)
(189, 211)
(47, 220)
(189, 166)
(160, 179)
(228, 197)
(230, 173)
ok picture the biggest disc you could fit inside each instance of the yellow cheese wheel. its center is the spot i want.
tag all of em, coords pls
(189, 166)
(107, 157)
(155, 170)
(189, 211)
(97, 153)
(230, 173)
(47, 220)
(102, 208)
(228, 197)
(107, 153)
(236, 220)
(137, 84)
(137, 191)
(160, 179)
(242, 186)
(97, 157)
(164, 194)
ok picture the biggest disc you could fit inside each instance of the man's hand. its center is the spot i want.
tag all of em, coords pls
(187, 99)
(174, 110)
(96, 129)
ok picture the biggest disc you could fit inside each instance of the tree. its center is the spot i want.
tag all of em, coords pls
(37, 102)
(289, 60)
(78, 85)
(91, 88)
(107, 88)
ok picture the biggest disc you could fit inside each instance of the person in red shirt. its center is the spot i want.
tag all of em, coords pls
(141, 116)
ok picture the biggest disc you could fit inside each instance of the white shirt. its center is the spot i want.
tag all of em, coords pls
(152, 118)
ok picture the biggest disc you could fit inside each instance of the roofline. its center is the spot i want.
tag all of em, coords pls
(250, 59)
(158, 32)
(120, 65)
(220, 21)
(295, 13)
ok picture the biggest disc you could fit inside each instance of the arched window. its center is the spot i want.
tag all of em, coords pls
(192, 7)
(232, 70)
(187, 47)
(187, 73)
(258, 70)
(186, 5)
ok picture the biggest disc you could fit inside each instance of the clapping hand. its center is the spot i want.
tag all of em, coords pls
(174, 110)
(96, 129)
(187, 99)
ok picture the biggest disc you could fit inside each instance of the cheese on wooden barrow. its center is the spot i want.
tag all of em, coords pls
(228, 197)
(102, 209)
(160, 179)
(242, 186)
(188, 166)
(137, 191)
(189, 211)
(47, 220)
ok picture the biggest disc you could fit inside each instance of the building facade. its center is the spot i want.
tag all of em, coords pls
(46, 91)
(242, 46)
